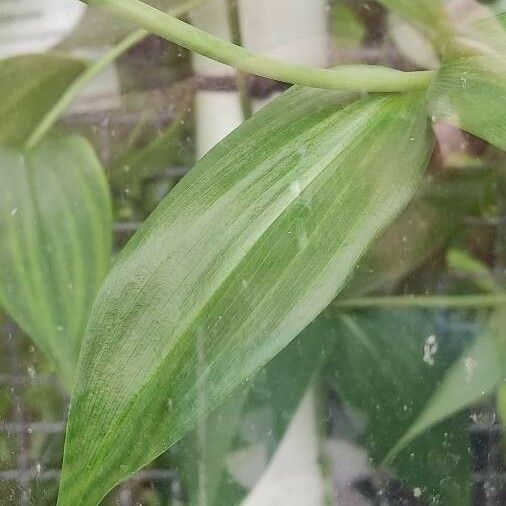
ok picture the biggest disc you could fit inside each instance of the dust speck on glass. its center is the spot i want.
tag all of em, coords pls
(253, 252)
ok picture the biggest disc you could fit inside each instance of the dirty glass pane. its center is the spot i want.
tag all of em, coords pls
(389, 393)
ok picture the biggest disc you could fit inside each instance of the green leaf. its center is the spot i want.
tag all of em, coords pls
(137, 164)
(55, 223)
(469, 380)
(463, 262)
(482, 33)
(470, 93)
(240, 257)
(387, 367)
(346, 27)
(29, 87)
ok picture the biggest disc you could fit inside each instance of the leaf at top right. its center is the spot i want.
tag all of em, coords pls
(470, 93)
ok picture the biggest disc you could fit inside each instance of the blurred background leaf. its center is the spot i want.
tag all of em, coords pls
(54, 251)
(469, 94)
(423, 228)
(29, 87)
(387, 367)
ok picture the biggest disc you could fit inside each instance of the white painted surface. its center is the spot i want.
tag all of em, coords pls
(217, 113)
(293, 476)
(34, 26)
(292, 30)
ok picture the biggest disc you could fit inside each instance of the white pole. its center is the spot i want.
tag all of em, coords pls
(290, 30)
(293, 476)
(218, 111)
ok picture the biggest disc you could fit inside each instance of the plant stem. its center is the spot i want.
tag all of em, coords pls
(359, 78)
(76, 87)
(91, 72)
(456, 301)
(241, 78)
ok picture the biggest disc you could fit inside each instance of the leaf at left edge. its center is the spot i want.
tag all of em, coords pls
(55, 225)
(29, 86)
(242, 255)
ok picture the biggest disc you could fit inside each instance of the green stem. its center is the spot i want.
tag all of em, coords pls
(359, 78)
(91, 72)
(77, 86)
(241, 79)
(448, 301)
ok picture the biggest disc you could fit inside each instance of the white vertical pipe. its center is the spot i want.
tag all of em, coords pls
(217, 112)
(293, 31)
(293, 476)
(34, 26)
(290, 30)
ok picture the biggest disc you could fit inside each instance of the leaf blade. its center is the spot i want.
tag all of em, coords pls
(477, 370)
(55, 220)
(390, 393)
(26, 99)
(469, 94)
(217, 282)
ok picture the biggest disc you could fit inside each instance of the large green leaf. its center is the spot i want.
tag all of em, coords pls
(55, 224)
(29, 86)
(245, 252)
(387, 366)
(470, 93)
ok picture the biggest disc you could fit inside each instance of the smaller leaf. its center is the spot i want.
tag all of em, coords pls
(136, 164)
(29, 87)
(463, 262)
(55, 224)
(469, 380)
(469, 93)
(346, 28)
(387, 367)
(481, 33)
